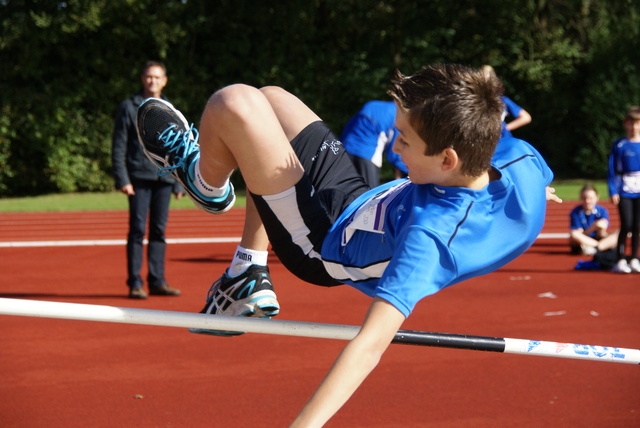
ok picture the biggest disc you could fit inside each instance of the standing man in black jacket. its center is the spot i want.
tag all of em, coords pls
(149, 195)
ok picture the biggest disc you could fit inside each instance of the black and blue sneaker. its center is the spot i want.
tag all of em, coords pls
(172, 145)
(249, 295)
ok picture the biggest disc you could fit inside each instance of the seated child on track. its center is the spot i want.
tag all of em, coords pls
(589, 223)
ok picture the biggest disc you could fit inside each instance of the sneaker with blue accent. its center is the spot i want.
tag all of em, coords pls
(248, 295)
(172, 145)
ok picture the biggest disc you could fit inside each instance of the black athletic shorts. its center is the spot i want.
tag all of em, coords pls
(330, 183)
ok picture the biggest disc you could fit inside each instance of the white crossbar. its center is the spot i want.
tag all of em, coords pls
(84, 312)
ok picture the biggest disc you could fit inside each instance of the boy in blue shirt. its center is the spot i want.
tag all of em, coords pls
(589, 224)
(624, 189)
(460, 213)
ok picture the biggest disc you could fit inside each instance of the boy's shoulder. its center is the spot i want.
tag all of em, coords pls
(575, 210)
(620, 142)
(509, 147)
(513, 151)
(601, 210)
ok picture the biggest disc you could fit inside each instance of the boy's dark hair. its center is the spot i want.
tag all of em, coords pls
(588, 187)
(633, 113)
(454, 106)
(149, 64)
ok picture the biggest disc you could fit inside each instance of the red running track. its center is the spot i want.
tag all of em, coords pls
(85, 374)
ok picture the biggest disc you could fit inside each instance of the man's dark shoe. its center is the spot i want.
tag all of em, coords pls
(164, 290)
(137, 293)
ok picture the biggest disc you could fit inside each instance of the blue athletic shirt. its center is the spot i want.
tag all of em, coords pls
(404, 241)
(371, 133)
(581, 220)
(510, 109)
(624, 169)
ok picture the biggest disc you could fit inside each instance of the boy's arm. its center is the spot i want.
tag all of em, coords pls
(523, 118)
(353, 365)
(613, 180)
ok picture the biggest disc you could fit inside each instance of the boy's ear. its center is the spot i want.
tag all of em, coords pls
(450, 159)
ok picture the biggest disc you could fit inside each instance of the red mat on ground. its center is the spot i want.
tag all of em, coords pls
(87, 374)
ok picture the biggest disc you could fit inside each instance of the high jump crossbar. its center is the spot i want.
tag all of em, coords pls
(113, 314)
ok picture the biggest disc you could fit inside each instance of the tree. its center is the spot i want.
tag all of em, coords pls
(65, 66)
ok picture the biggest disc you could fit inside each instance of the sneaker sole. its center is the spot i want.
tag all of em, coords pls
(222, 333)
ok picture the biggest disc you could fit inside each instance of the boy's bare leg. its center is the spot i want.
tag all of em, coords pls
(293, 115)
(229, 107)
(608, 242)
(243, 127)
(577, 237)
(254, 235)
(239, 128)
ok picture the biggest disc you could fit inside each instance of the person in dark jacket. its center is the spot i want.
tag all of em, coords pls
(149, 194)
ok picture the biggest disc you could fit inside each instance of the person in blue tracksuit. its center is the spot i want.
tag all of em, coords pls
(368, 138)
(624, 189)
(518, 116)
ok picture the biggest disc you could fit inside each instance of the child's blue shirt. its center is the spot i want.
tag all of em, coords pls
(403, 241)
(581, 220)
(624, 169)
(510, 109)
(370, 134)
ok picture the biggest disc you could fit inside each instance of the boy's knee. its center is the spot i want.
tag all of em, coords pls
(238, 100)
(277, 96)
(272, 91)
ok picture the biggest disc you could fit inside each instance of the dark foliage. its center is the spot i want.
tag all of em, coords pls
(65, 66)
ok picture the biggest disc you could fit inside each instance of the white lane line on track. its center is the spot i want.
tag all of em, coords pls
(107, 242)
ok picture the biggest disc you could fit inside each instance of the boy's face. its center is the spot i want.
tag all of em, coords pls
(589, 200)
(633, 128)
(411, 148)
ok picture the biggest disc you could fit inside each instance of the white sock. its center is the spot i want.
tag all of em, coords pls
(205, 188)
(244, 258)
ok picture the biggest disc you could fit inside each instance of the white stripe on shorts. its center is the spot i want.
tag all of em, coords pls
(342, 272)
(284, 205)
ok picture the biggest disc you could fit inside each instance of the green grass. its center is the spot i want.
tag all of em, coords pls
(568, 190)
(85, 202)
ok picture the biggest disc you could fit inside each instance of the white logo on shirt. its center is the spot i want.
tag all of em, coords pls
(371, 215)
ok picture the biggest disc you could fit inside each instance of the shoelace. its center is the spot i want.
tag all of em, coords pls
(220, 299)
(224, 298)
(214, 287)
(181, 143)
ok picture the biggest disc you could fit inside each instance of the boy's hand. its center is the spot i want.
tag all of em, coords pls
(602, 223)
(551, 195)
